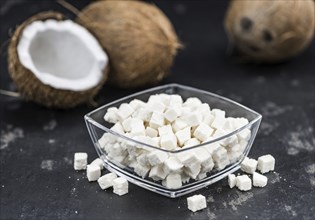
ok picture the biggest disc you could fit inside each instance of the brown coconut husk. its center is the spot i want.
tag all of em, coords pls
(270, 31)
(137, 36)
(32, 88)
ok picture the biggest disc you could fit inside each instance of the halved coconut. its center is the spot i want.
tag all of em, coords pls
(56, 62)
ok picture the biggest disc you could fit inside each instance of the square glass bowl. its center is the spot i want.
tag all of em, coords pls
(114, 149)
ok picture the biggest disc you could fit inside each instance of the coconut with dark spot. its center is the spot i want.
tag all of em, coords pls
(138, 37)
(270, 31)
(30, 86)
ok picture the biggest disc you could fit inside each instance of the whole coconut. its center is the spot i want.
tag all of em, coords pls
(35, 90)
(270, 31)
(137, 36)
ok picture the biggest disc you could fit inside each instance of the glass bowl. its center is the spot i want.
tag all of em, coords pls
(116, 159)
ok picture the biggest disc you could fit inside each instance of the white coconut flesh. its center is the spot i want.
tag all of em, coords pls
(62, 54)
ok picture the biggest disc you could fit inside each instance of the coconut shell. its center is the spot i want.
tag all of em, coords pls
(32, 88)
(270, 31)
(137, 36)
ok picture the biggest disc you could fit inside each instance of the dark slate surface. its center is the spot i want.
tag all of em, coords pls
(37, 144)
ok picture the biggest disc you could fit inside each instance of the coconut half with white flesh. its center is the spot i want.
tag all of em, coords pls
(56, 62)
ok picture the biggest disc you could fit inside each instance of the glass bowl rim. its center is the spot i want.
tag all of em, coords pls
(88, 118)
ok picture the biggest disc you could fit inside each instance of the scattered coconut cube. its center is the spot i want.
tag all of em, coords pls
(203, 132)
(183, 135)
(196, 203)
(249, 165)
(232, 180)
(93, 172)
(243, 183)
(106, 181)
(80, 161)
(259, 180)
(173, 181)
(120, 186)
(99, 162)
(266, 163)
(156, 106)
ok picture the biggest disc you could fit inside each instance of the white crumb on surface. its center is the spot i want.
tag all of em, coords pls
(10, 135)
(51, 125)
(47, 165)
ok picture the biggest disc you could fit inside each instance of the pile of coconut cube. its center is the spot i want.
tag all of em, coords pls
(166, 124)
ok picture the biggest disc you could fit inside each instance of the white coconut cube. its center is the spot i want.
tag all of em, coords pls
(201, 154)
(165, 98)
(93, 172)
(176, 100)
(157, 157)
(136, 104)
(99, 162)
(178, 125)
(218, 113)
(124, 111)
(249, 165)
(173, 181)
(186, 157)
(137, 127)
(120, 186)
(191, 142)
(157, 173)
(165, 130)
(156, 106)
(151, 132)
(157, 120)
(106, 181)
(183, 135)
(118, 128)
(142, 170)
(207, 166)
(111, 115)
(203, 132)
(243, 183)
(220, 158)
(172, 165)
(232, 180)
(259, 180)
(80, 161)
(266, 163)
(192, 119)
(168, 142)
(193, 169)
(126, 124)
(196, 203)
(208, 119)
(171, 114)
